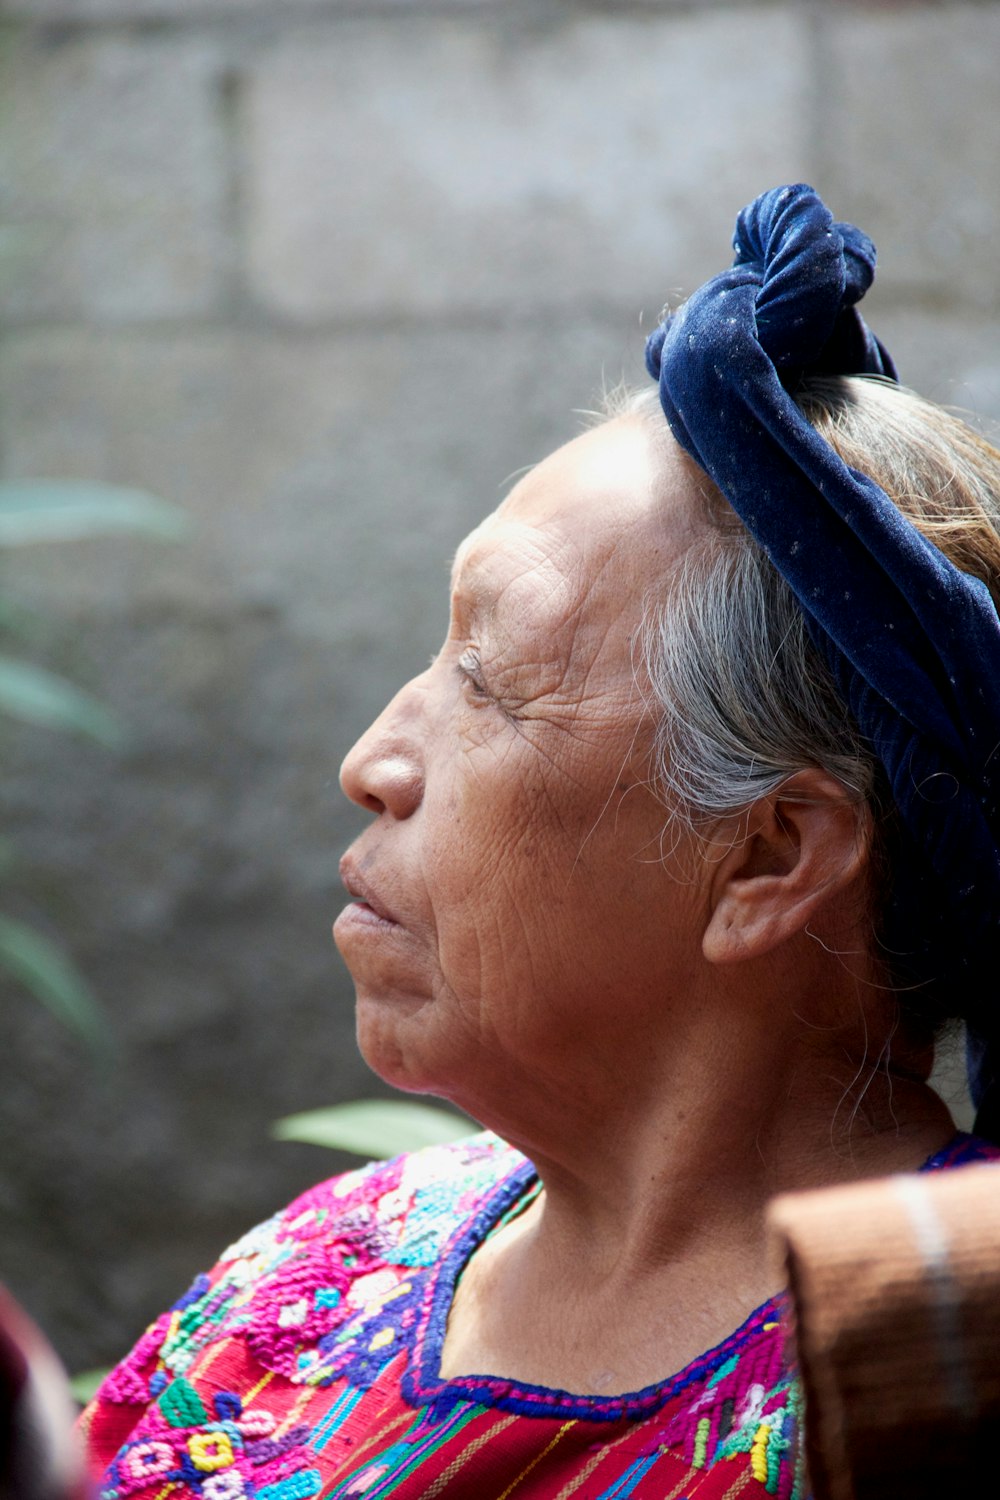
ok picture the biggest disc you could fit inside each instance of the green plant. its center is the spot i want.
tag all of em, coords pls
(44, 510)
(85, 1385)
(374, 1127)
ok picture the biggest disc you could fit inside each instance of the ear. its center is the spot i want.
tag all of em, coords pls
(793, 852)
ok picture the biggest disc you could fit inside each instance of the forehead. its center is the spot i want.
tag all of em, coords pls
(603, 517)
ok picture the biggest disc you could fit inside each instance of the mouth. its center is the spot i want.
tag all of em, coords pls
(364, 899)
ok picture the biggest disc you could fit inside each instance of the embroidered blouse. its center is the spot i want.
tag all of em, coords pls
(307, 1364)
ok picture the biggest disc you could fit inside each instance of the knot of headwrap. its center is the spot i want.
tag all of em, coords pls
(912, 642)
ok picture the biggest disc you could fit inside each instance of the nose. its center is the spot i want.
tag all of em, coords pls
(384, 770)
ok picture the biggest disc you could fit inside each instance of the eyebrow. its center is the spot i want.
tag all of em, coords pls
(476, 598)
(473, 605)
(455, 565)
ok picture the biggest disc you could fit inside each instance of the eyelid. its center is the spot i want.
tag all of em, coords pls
(471, 668)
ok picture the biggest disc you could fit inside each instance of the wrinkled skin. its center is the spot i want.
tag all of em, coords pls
(516, 844)
(672, 1030)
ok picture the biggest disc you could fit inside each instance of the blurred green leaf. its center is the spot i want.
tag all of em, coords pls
(39, 697)
(36, 963)
(61, 510)
(85, 1385)
(57, 510)
(374, 1127)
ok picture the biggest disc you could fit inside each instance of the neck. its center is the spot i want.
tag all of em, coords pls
(657, 1192)
(700, 1171)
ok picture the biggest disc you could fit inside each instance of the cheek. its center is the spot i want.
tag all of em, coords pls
(521, 860)
(510, 946)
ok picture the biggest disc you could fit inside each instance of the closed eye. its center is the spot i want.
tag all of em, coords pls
(471, 669)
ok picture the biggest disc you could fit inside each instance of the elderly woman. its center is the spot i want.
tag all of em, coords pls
(682, 850)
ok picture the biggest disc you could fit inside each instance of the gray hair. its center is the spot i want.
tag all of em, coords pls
(742, 696)
(744, 700)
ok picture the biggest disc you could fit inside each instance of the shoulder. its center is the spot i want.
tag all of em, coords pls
(292, 1285)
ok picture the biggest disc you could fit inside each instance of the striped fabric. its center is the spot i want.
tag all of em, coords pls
(306, 1364)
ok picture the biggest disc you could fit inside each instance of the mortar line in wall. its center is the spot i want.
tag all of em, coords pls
(322, 328)
(819, 66)
(229, 105)
(260, 22)
(538, 316)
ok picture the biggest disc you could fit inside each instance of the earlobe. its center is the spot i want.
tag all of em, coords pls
(793, 854)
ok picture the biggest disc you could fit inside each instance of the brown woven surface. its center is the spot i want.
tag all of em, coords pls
(896, 1286)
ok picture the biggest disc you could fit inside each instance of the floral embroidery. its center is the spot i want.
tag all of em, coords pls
(329, 1320)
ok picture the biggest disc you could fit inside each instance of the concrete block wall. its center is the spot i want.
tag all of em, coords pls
(326, 274)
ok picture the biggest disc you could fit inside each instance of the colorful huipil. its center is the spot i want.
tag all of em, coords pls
(306, 1364)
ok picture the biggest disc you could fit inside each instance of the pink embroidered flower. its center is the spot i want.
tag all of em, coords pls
(225, 1486)
(256, 1424)
(146, 1462)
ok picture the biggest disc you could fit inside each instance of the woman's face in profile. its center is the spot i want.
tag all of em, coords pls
(513, 897)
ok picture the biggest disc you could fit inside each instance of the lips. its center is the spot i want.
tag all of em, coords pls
(361, 891)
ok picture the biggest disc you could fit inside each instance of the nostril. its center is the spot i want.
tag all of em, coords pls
(395, 785)
(382, 781)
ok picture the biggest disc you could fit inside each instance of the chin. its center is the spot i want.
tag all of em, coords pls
(389, 1035)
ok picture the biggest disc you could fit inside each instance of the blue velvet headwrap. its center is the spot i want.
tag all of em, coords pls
(912, 642)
